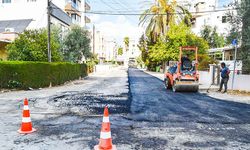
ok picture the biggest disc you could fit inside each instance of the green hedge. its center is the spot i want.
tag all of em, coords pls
(22, 75)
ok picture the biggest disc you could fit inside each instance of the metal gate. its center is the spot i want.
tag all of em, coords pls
(216, 75)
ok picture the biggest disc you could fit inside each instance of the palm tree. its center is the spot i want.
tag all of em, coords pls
(160, 15)
(126, 42)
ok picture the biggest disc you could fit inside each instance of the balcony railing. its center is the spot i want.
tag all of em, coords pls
(87, 20)
(87, 7)
(74, 5)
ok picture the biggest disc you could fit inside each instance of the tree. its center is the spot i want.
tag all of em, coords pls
(245, 47)
(58, 36)
(126, 42)
(235, 20)
(77, 44)
(206, 33)
(120, 51)
(165, 12)
(177, 36)
(240, 30)
(166, 51)
(31, 45)
(143, 47)
(212, 37)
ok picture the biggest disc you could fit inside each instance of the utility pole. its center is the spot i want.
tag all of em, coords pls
(93, 39)
(235, 56)
(49, 50)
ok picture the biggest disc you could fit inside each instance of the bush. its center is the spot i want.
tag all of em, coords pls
(91, 65)
(22, 75)
(31, 45)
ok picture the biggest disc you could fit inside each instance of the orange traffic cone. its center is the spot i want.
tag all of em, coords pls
(26, 126)
(105, 142)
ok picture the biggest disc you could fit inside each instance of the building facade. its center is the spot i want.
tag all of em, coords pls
(63, 12)
(19, 15)
(207, 12)
(132, 53)
(111, 50)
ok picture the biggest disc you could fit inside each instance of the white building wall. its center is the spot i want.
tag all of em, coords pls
(132, 53)
(100, 45)
(111, 48)
(60, 3)
(21, 9)
(239, 81)
(133, 49)
(82, 9)
(35, 10)
(213, 19)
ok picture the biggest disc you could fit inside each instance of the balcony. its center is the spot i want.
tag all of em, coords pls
(73, 8)
(87, 20)
(87, 6)
(74, 5)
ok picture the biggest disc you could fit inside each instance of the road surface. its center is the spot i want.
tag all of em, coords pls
(143, 114)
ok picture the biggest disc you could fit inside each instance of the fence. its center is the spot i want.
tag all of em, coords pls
(241, 82)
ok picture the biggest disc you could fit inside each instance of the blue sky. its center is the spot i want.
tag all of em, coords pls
(120, 26)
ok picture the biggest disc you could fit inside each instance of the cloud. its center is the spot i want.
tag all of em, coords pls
(119, 28)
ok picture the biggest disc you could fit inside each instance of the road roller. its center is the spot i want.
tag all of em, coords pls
(183, 76)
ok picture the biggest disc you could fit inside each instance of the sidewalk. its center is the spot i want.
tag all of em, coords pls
(72, 86)
(160, 76)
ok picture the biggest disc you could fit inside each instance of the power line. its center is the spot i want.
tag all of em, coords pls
(119, 11)
(107, 4)
(126, 8)
(135, 14)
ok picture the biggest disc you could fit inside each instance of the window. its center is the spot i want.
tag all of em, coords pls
(75, 18)
(6, 1)
(231, 57)
(224, 19)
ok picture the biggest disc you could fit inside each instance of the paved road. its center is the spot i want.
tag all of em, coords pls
(196, 120)
(144, 116)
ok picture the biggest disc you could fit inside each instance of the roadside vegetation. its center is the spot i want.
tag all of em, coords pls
(27, 74)
(164, 34)
(240, 30)
(27, 65)
(70, 46)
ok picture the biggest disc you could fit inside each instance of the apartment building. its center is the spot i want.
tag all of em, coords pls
(98, 45)
(63, 12)
(111, 50)
(132, 53)
(207, 12)
(105, 48)
(18, 15)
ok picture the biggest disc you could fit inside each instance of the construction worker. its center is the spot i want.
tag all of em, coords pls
(186, 64)
(224, 77)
